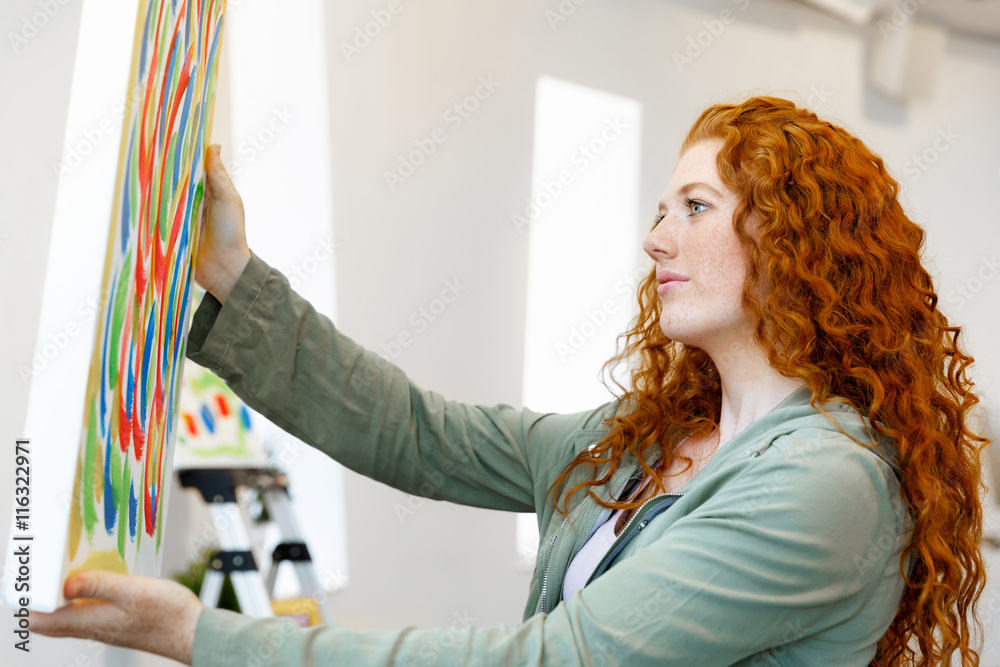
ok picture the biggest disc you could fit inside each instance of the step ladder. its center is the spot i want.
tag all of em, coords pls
(234, 557)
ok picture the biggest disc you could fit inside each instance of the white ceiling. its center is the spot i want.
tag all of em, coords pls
(980, 18)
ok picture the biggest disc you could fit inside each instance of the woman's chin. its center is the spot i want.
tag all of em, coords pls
(678, 334)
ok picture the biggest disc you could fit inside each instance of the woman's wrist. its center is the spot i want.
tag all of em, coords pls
(185, 648)
(229, 274)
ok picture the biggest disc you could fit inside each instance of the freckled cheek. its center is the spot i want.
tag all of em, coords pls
(721, 271)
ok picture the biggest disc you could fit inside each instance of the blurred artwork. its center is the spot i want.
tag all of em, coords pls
(216, 430)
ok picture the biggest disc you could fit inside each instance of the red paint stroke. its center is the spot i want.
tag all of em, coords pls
(147, 509)
(189, 422)
(124, 423)
(138, 438)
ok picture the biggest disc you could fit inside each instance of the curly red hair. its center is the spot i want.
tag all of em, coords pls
(849, 308)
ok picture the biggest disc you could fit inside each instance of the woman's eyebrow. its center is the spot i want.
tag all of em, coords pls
(688, 187)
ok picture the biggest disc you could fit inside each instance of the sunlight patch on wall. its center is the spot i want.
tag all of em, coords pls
(583, 221)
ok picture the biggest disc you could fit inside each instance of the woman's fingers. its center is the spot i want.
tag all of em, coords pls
(92, 619)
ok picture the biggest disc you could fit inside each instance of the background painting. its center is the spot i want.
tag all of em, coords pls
(215, 428)
(123, 468)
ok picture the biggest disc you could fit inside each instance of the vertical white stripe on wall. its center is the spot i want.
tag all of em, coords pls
(584, 225)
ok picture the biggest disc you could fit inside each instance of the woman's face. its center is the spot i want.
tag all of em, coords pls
(694, 241)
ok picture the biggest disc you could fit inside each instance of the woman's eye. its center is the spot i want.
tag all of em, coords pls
(696, 207)
(659, 217)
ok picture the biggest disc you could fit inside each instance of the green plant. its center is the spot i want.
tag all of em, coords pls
(195, 575)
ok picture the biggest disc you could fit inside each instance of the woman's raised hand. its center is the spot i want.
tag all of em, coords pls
(223, 252)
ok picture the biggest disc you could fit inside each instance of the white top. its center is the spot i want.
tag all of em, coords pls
(596, 547)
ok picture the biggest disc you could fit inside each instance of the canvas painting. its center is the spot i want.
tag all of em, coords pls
(130, 412)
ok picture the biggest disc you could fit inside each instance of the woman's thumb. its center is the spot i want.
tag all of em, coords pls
(89, 584)
(215, 171)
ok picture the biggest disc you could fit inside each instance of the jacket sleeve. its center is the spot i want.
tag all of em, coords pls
(796, 545)
(292, 365)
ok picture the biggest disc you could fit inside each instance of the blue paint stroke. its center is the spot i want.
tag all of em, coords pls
(131, 380)
(126, 191)
(133, 507)
(145, 45)
(146, 356)
(152, 505)
(208, 418)
(110, 505)
(105, 381)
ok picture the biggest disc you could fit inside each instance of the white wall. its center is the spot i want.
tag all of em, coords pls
(451, 218)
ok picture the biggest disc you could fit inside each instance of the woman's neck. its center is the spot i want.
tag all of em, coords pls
(751, 388)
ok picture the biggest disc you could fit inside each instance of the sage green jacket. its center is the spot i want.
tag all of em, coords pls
(784, 550)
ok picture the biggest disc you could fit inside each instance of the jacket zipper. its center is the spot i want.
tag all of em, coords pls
(552, 548)
(548, 559)
(611, 550)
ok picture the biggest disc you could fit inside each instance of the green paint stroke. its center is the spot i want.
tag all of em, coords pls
(199, 192)
(114, 465)
(140, 519)
(89, 454)
(163, 220)
(121, 498)
(159, 519)
(168, 205)
(230, 450)
(172, 88)
(118, 317)
(206, 379)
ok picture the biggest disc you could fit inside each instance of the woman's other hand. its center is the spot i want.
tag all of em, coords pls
(223, 252)
(154, 615)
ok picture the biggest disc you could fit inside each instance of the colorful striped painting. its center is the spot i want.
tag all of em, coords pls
(130, 410)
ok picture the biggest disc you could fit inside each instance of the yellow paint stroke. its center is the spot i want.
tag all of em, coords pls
(99, 473)
(76, 513)
(102, 560)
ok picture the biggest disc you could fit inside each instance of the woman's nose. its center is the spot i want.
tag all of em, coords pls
(660, 242)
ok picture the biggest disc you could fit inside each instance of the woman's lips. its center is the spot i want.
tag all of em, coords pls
(668, 280)
(663, 288)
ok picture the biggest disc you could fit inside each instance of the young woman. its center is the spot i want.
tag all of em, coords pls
(790, 479)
